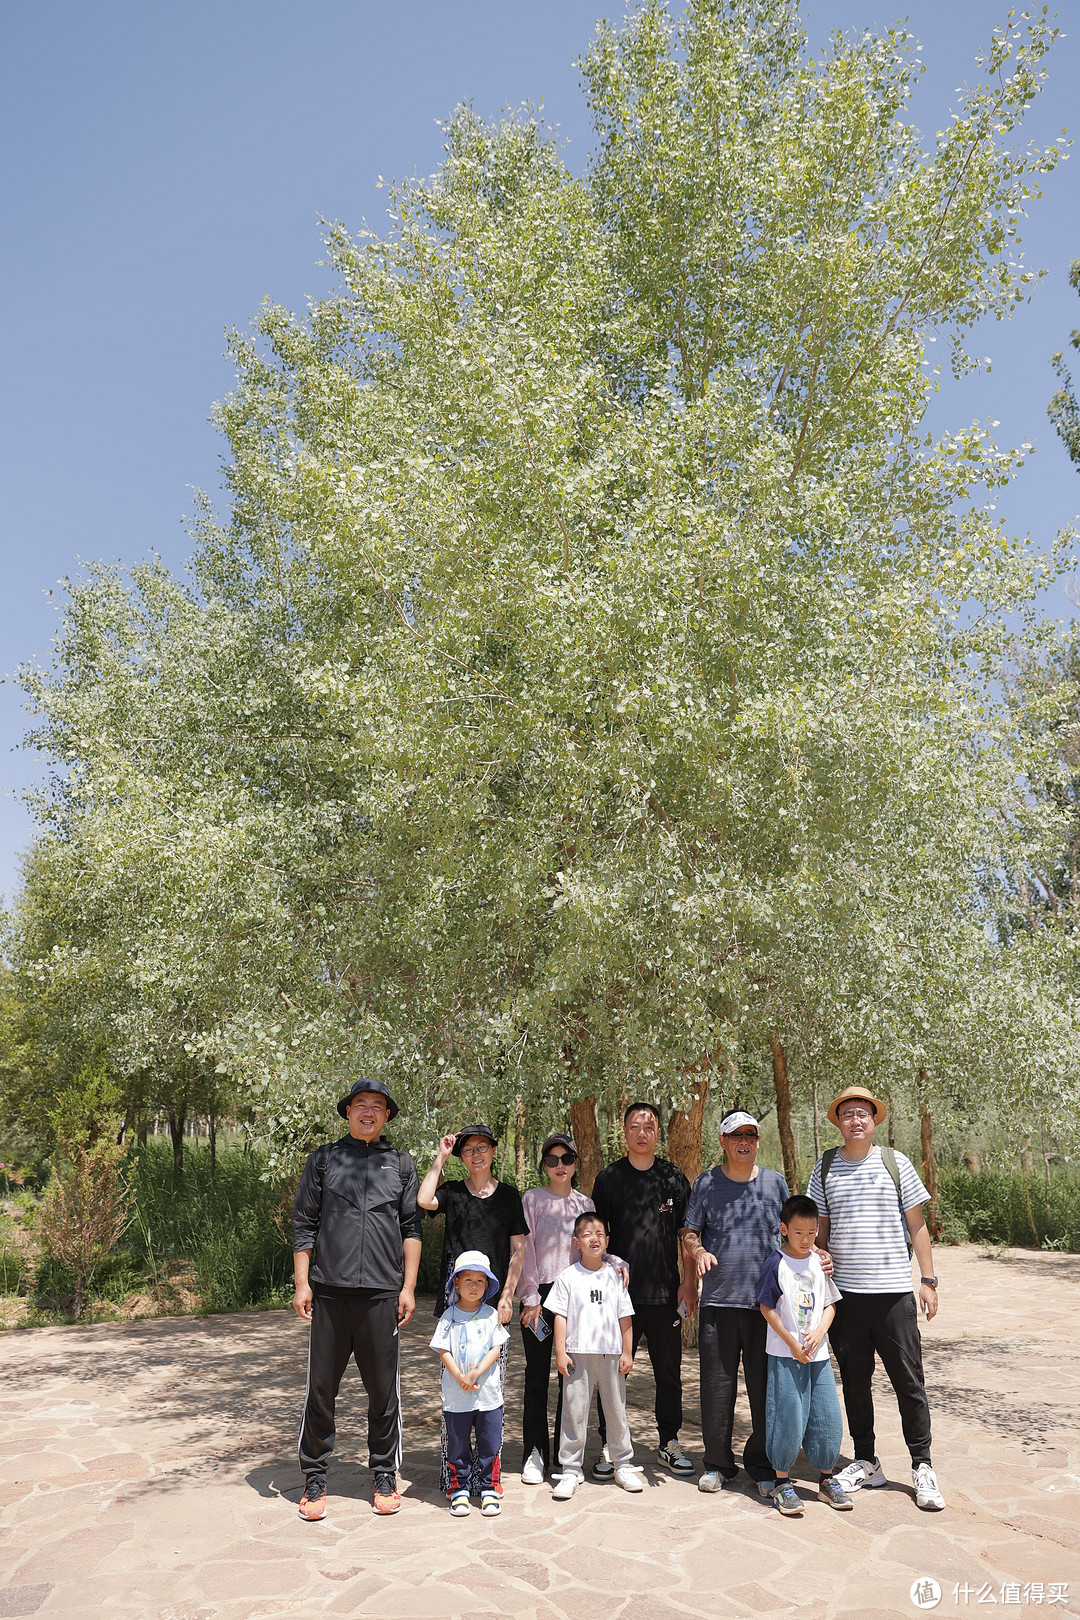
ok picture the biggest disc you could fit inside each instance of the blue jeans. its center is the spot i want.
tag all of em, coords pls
(802, 1413)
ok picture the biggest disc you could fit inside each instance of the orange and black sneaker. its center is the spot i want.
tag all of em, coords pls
(313, 1501)
(387, 1499)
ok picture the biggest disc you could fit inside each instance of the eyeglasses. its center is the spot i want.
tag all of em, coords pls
(856, 1113)
(477, 1147)
(742, 1136)
(552, 1159)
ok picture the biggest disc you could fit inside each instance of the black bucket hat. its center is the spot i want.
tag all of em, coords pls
(473, 1130)
(367, 1085)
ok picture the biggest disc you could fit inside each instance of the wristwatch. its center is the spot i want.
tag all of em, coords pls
(931, 1282)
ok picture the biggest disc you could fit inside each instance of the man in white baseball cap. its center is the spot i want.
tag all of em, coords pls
(732, 1226)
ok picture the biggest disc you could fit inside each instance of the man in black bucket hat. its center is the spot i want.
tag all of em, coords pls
(356, 1242)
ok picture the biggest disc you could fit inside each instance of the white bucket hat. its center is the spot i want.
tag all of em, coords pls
(473, 1260)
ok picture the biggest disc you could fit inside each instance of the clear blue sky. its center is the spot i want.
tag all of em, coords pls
(164, 170)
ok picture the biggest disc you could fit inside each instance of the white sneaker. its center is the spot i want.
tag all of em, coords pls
(860, 1473)
(533, 1471)
(711, 1480)
(927, 1494)
(565, 1486)
(674, 1457)
(628, 1477)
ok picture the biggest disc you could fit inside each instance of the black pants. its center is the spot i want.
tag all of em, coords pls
(889, 1325)
(363, 1325)
(535, 1433)
(726, 1333)
(661, 1327)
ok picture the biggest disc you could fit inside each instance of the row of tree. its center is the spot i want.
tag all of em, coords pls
(602, 683)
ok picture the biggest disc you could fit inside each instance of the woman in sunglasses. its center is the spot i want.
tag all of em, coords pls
(550, 1213)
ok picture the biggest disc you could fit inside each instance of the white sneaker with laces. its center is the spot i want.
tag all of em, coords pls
(565, 1486)
(711, 1480)
(533, 1471)
(628, 1477)
(860, 1473)
(927, 1492)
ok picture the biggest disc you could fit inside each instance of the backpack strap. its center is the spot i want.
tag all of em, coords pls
(826, 1165)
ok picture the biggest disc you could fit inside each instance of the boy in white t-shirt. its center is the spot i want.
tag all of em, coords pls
(593, 1350)
(802, 1412)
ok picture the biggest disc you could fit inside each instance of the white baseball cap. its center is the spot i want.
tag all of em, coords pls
(731, 1122)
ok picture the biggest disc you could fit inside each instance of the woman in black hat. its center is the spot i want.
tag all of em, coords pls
(481, 1213)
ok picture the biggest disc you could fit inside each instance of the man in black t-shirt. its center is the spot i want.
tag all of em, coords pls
(643, 1199)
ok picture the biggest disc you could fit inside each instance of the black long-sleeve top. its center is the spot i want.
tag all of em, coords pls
(355, 1205)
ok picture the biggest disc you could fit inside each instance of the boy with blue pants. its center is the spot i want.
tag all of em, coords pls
(802, 1412)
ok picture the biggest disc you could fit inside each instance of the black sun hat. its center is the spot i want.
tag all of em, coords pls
(367, 1085)
(473, 1130)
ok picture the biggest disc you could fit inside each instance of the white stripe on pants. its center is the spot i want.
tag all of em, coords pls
(591, 1372)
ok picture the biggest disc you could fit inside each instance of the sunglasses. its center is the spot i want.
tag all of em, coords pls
(552, 1159)
(742, 1136)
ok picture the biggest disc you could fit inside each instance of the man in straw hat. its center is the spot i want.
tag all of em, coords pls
(356, 1212)
(869, 1202)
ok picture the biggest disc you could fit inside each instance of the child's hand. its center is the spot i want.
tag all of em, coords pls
(800, 1354)
(469, 1381)
(626, 1363)
(565, 1366)
(812, 1340)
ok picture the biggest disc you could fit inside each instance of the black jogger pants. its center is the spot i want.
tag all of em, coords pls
(363, 1325)
(889, 1325)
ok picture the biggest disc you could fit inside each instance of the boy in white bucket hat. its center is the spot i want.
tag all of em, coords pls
(469, 1339)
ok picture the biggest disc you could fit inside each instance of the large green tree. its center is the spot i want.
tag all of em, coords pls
(596, 674)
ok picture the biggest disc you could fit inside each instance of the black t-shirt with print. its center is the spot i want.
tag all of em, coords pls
(644, 1210)
(486, 1224)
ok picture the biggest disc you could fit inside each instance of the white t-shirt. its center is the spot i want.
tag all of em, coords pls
(867, 1234)
(798, 1291)
(469, 1335)
(593, 1303)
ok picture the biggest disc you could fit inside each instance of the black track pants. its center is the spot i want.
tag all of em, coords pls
(363, 1325)
(661, 1328)
(889, 1325)
(726, 1332)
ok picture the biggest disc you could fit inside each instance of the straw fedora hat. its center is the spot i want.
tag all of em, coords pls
(849, 1094)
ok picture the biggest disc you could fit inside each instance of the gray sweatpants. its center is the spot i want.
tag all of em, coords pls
(589, 1373)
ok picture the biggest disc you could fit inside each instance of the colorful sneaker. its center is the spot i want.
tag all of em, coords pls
(785, 1500)
(387, 1499)
(927, 1493)
(860, 1473)
(711, 1480)
(628, 1477)
(566, 1485)
(490, 1506)
(672, 1456)
(313, 1501)
(603, 1467)
(533, 1471)
(459, 1505)
(830, 1490)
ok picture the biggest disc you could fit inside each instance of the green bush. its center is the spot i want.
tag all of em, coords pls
(222, 1220)
(1004, 1206)
(12, 1270)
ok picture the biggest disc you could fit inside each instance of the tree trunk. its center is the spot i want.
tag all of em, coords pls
(519, 1140)
(144, 1129)
(929, 1162)
(783, 1113)
(79, 1304)
(211, 1127)
(684, 1133)
(587, 1136)
(817, 1123)
(1046, 1156)
(176, 1131)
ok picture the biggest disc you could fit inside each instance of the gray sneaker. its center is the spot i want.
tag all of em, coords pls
(785, 1499)
(711, 1480)
(765, 1488)
(830, 1490)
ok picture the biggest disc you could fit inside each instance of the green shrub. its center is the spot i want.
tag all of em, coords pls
(13, 1270)
(1005, 1206)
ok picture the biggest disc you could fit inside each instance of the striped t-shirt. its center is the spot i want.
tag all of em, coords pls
(867, 1237)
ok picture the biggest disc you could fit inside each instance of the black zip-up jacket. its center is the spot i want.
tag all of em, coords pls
(355, 1205)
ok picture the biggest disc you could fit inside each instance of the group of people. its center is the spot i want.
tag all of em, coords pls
(595, 1275)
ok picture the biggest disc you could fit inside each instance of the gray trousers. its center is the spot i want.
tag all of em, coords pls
(589, 1373)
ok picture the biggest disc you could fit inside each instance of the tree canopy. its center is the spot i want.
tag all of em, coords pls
(597, 674)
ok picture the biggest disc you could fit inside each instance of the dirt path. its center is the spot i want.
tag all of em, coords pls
(147, 1473)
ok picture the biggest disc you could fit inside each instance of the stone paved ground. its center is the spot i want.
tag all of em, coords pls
(145, 1474)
